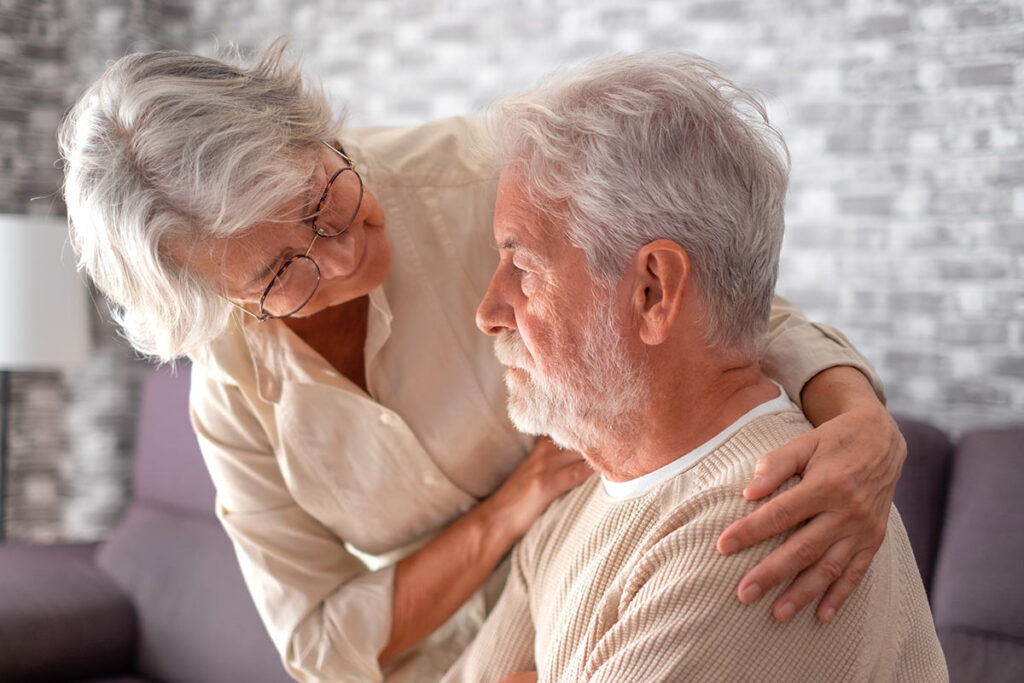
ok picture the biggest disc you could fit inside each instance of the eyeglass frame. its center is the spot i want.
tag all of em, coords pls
(264, 315)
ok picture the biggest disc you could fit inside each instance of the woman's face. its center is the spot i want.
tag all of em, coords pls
(351, 264)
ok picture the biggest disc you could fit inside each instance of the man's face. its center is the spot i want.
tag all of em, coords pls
(556, 329)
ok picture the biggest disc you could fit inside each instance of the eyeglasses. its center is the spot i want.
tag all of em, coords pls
(297, 279)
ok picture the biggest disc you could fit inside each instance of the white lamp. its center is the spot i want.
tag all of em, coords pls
(43, 310)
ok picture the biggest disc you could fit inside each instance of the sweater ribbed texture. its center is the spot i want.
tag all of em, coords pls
(634, 590)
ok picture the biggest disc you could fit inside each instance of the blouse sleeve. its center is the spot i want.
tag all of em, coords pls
(327, 614)
(797, 350)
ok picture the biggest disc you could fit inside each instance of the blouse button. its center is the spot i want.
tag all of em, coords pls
(385, 418)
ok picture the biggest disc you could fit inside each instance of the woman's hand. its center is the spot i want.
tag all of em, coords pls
(545, 474)
(850, 465)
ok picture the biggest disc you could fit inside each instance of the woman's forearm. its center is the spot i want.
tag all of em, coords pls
(835, 391)
(431, 584)
(434, 582)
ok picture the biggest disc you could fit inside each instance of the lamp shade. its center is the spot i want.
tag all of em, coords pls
(43, 302)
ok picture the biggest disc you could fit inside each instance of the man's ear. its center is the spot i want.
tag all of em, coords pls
(661, 273)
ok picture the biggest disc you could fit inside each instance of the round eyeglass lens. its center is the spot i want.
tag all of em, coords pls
(292, 288)
(341, 204)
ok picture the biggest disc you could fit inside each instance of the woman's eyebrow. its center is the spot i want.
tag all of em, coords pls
(313, 195)
(261, 274)
(315, 192)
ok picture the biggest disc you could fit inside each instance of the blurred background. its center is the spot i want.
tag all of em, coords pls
(905, 217)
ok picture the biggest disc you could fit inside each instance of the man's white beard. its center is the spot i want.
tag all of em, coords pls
(598, 394)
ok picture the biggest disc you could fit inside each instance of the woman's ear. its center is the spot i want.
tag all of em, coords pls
(661, 272)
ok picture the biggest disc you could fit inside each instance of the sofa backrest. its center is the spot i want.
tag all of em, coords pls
(169, 469)
(961, 507)
(921, 491)
(197, 623)
(976, 595)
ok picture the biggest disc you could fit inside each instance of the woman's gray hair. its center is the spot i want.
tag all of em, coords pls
(630, 149)
(168, 148)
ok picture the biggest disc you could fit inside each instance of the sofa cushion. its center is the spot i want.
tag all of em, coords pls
(169, 468)
(921, 491)
(972, 658)
(977, 575)
(197, 623)
(61, 617)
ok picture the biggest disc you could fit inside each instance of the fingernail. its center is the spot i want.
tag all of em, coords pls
(785, 612)
(729, 546)
(750, 594)
(755, 482)
(828, 615)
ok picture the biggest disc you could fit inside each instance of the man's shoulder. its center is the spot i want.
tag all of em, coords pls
(693, 508)
(729, 467)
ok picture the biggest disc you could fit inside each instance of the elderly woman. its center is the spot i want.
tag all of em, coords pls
(324, 284)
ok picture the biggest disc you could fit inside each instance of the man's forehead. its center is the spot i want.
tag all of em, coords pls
(518, 225)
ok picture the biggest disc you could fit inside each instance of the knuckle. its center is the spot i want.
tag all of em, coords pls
(901, 445)
(806, 554)
(847, 487)
(831, 569)
(779, 515)
(853, 575)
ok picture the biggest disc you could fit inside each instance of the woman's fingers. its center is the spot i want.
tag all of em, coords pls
(814, 581)
(775, 467)
(842, 589)
(778, 515)
(572, 475)
(545, 474)
(801, 550)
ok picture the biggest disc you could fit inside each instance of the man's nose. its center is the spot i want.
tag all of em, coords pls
(494, 315)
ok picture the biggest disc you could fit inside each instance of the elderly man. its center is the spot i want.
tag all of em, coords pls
(639, 221)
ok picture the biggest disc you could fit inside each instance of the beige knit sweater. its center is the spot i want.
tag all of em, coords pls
(634, 590)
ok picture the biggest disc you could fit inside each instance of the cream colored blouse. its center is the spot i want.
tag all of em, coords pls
(322, 486)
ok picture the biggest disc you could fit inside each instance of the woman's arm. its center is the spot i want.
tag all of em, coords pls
(850, 464)
(328, 615)
(434, 582)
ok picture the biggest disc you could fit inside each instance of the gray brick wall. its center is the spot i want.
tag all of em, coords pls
(904, 119)
(70, 434)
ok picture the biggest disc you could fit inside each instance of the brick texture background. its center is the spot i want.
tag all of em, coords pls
(905, 120)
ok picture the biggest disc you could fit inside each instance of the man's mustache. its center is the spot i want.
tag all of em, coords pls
(509, 348)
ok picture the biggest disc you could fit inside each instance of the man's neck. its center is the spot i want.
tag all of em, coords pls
(683, 414)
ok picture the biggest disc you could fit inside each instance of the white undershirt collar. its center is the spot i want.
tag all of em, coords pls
(621, 490)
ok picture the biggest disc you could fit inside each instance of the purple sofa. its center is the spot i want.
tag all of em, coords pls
(962, 508)
(162, 599)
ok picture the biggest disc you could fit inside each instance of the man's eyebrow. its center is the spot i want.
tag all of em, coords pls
(512, 244)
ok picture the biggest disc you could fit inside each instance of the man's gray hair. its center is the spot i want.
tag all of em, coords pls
(630, 149)
(168, 148)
